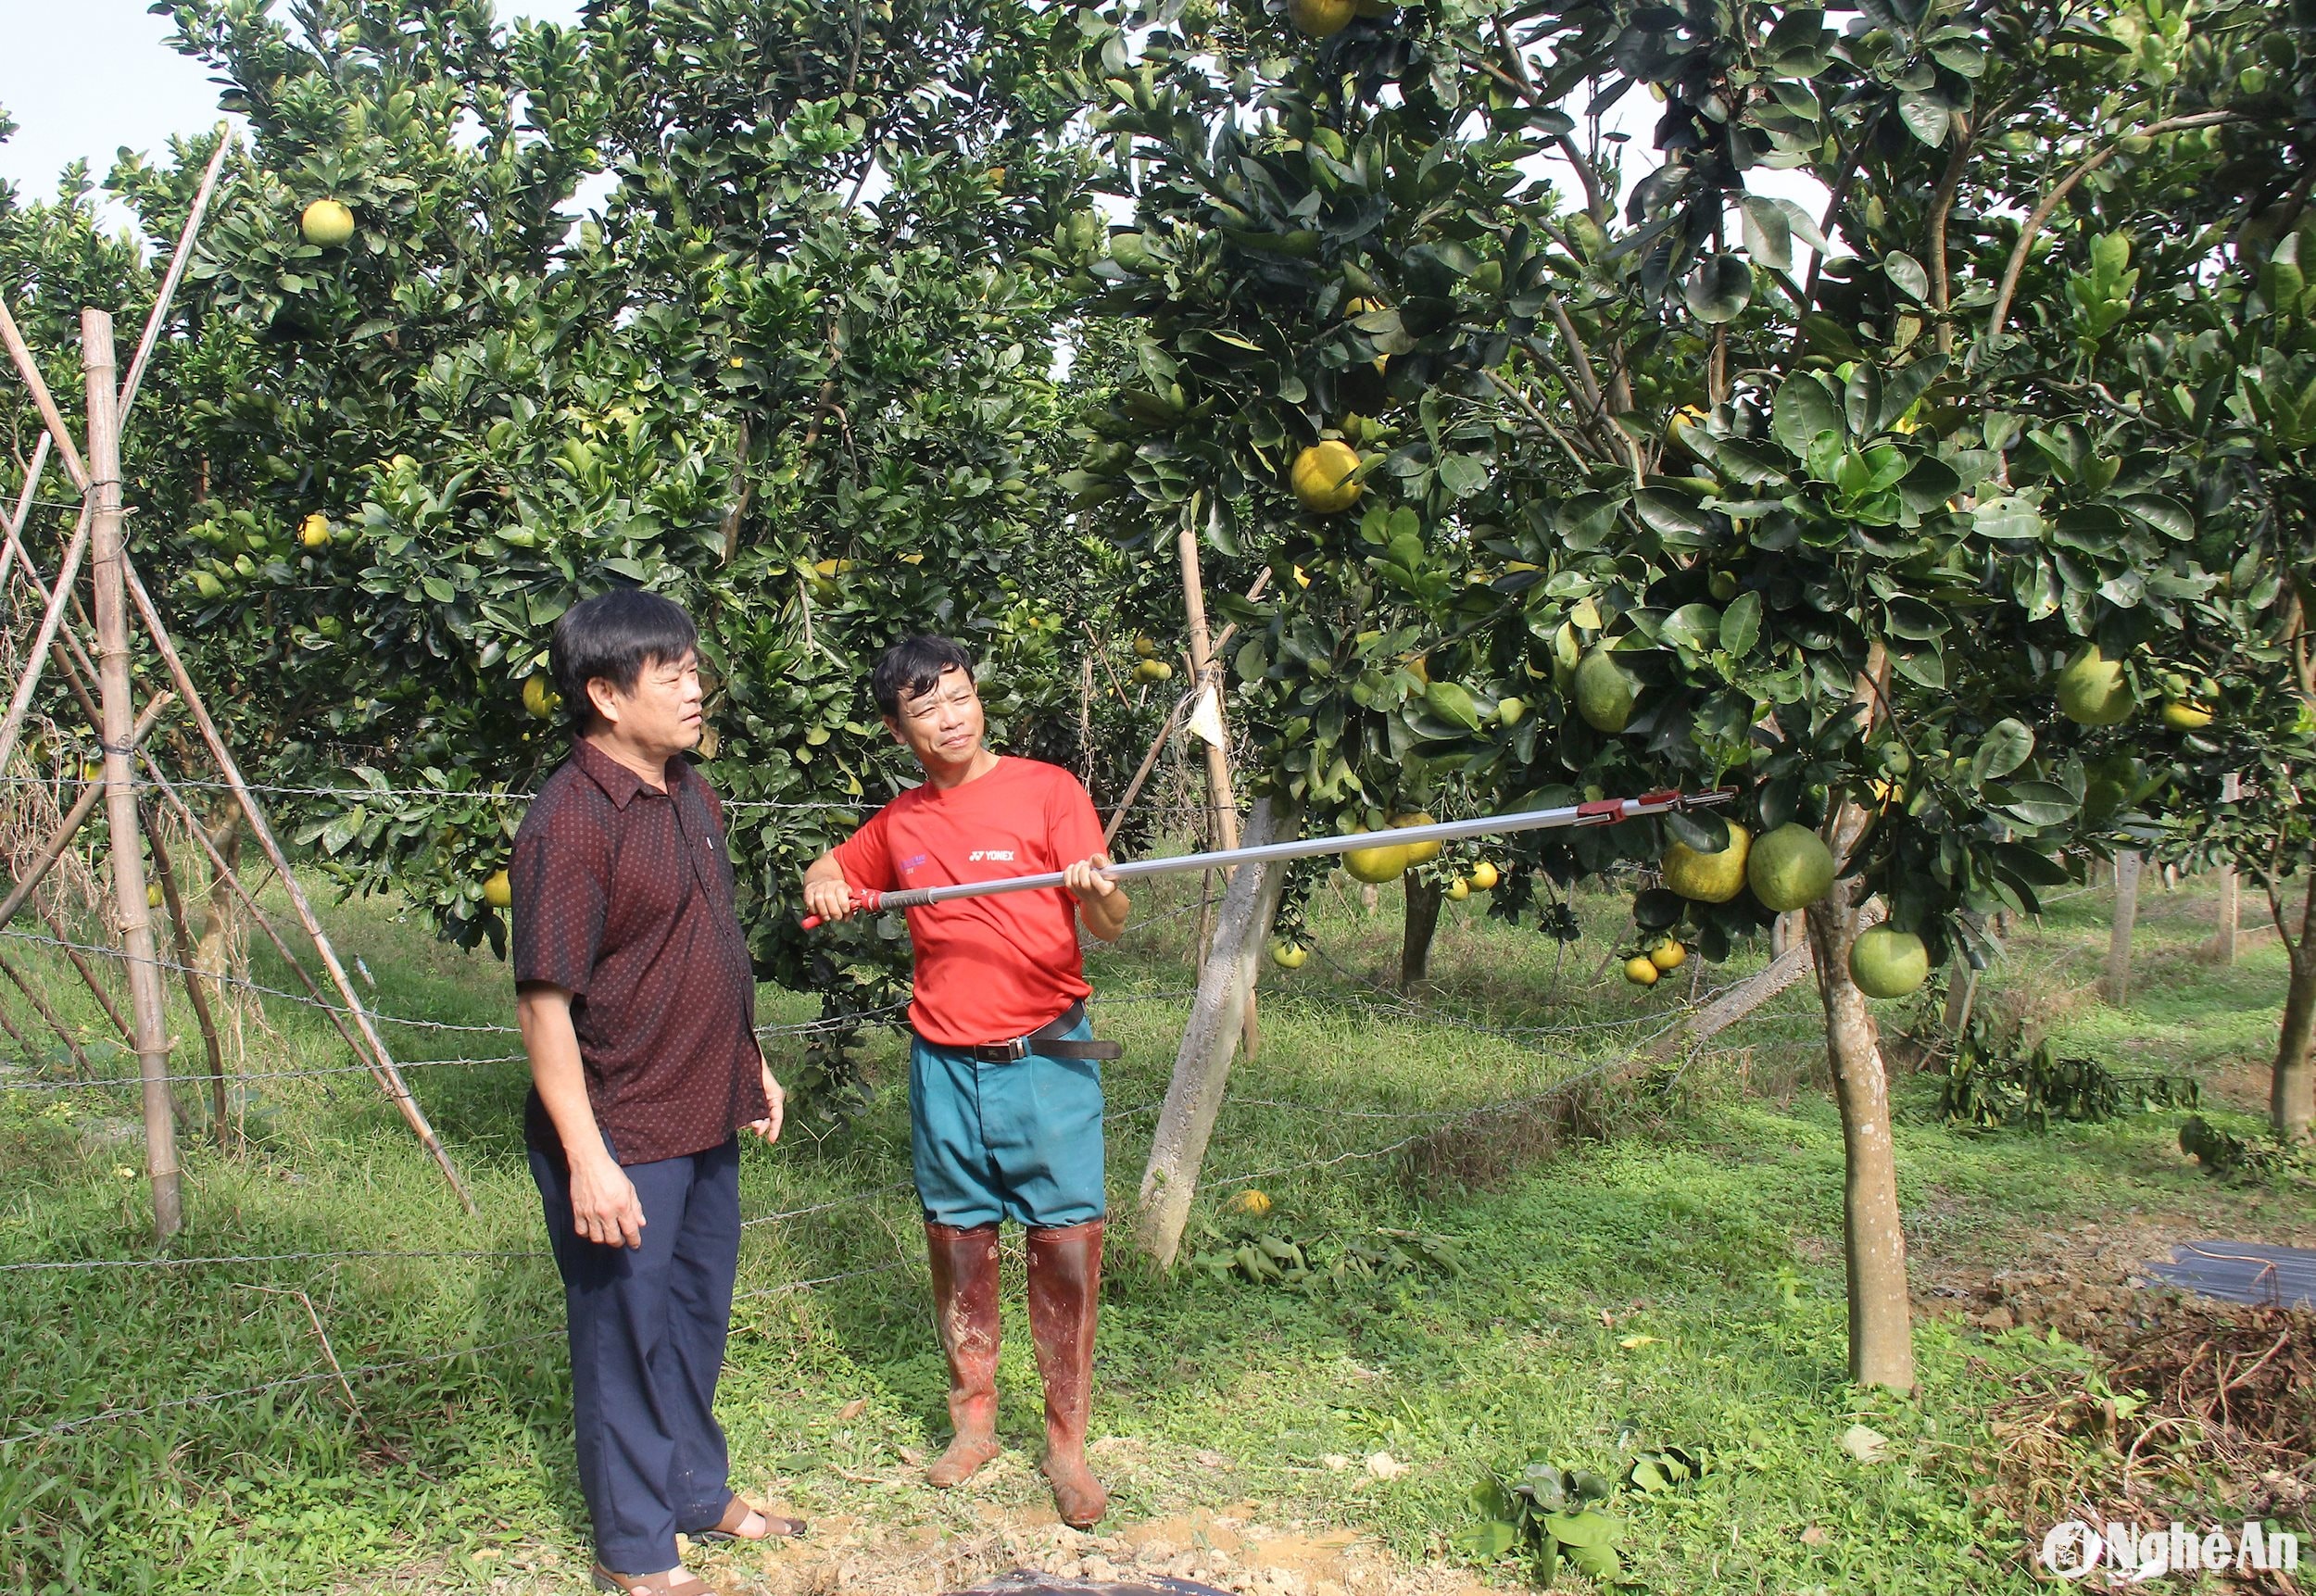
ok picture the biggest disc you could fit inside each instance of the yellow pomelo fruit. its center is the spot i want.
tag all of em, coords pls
(1154, 671)
(1146, 646)
(498, 891)
(1485, 876)
(153, 894)
(1641, 971)
(326, 225)
(1250, 1202)
(1789, 868)
(314, 531)
(2185, 715)
(1419, 852)
(1509, 710)
(1321, 477)
(1708, 877)
(1320, 19)
(1669, 955)
(1886, 963)
(1603, 693)
(2092, 691)
(1458, 891)
(1377, 865)
(1289, 955)
(539, 696)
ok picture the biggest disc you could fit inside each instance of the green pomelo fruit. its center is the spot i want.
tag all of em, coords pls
(2092, 691)
(1603, 693)
(1789, 868)
(1887, 963)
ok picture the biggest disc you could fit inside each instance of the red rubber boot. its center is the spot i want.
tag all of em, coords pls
(965, 1312)
(1064, 1291)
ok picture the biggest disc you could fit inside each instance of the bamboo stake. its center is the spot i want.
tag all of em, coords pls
(220, 1107)
(22, 1047)
(43, 400)
(56, 1024)
(24, 504)
(390, 1077)
(53, 420)
(120, 802)
(88, 977)
(176, 273)
(90, 792)
(1208, 679)
(29, 682)
(79, 670)
(248, 900)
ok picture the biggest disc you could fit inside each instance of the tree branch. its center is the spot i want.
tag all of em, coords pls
(2066, 186)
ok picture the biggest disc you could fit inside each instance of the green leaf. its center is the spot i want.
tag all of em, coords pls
(1925, 118)
(1450, 702)
(1463, 475)
(2007, 744)
(1719, 289)
(1768, 235)
(1804, 407)
(1675, 516)
(1907, 272)
(1693, 626)
(1741, 623)
(1583, 1529)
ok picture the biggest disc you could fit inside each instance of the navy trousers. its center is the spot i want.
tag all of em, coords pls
(647, 1344)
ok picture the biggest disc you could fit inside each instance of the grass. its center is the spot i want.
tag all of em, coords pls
(1678, 1283)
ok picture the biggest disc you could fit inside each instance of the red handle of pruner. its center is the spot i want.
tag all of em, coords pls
(869, 900)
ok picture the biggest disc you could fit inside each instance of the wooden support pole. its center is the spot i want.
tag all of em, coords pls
(27, 682)
(91, 793)
(22, 1047)
(1201, 1067)
(24, 506)
(88, 978)
(56, 1023)
(2118, 984)
(220, 1106)
(375, 1051)
(1206, 678)
(107, 569)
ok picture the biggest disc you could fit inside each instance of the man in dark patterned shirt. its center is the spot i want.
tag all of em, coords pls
(637, 1000)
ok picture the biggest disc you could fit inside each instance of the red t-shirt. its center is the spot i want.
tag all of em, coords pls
(988, 968)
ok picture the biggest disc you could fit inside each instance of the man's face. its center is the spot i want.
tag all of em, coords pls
(662, 715)
(942, 725)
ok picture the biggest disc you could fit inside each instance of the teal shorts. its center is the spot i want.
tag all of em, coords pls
(1019, 1140)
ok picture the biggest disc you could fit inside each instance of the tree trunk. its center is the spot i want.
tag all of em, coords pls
(1881, 1319)
(2117, 987)
(2231, 888)
(2291, 1089)
(1201, 1067)
(1423, 922)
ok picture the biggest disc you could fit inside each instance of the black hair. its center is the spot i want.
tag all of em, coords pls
(912, 666)
(614, 635)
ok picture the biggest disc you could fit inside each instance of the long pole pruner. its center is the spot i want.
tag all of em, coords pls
(1601, 812)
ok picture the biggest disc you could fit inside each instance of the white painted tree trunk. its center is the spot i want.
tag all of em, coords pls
(1201, 1067)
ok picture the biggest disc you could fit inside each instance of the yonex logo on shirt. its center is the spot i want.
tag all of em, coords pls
(991, 855)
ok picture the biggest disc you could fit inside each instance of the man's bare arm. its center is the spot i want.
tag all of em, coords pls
(604, 1208)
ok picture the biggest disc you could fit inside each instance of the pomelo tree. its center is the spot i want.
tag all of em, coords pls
(1810, 502)
(725, 302)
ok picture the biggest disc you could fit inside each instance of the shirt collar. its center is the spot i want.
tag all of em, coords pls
(619, 784)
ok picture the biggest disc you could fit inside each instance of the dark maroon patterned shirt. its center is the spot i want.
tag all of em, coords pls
(623, 897)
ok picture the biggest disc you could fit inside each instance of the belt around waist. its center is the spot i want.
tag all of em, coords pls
(1047, 1041)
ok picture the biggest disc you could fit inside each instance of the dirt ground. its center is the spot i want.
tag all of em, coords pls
(1234, 1549)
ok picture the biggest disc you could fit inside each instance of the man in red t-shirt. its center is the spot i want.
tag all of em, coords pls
(1005, 1078)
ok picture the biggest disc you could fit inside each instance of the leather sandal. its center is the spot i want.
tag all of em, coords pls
(737, 1512)
(676, 1582)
